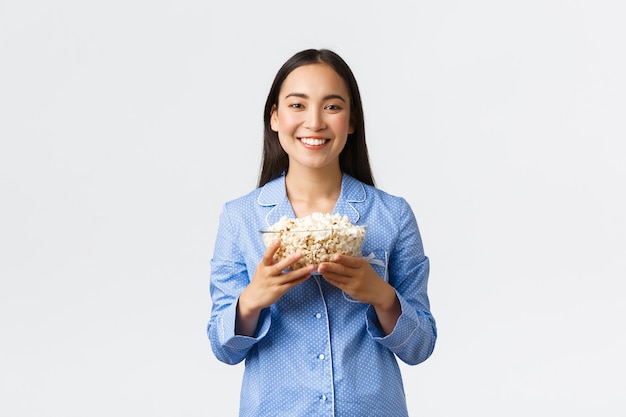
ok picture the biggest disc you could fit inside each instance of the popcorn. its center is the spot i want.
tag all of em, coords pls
(317, 237)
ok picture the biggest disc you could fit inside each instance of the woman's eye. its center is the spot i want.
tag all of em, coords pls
(296, 106)
(332, 107)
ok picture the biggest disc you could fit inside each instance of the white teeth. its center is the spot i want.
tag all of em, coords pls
(312, 141)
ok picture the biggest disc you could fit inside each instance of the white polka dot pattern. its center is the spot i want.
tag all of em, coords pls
(317, 351)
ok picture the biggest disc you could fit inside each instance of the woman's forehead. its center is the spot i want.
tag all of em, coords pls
(319, 80)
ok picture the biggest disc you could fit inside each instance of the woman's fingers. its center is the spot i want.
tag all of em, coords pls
(340, 265)
(277, 268)
(268, 255)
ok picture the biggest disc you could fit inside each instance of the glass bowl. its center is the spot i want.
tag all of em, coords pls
(318, 245)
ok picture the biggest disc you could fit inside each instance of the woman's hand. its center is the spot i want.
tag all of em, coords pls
(355, 276)
(268, 284)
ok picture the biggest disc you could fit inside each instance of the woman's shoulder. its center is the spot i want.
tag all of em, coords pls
(265, 195)
(369, 197)
(373, 191)
(244, 199)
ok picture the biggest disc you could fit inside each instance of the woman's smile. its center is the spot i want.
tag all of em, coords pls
(313, 141)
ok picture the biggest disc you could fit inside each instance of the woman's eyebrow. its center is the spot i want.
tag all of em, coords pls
(328, 97)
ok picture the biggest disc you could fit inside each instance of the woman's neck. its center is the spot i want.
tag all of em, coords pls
(313, 190)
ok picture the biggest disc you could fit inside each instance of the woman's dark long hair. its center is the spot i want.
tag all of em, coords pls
(354, 159)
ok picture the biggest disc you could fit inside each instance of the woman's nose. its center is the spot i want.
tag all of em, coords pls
(314, 120)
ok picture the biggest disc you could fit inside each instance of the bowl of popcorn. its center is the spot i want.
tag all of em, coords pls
(317, 237)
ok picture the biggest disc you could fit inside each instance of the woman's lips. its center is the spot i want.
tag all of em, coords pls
(314, 141)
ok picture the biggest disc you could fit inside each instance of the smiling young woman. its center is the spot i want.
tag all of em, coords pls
(320, 344)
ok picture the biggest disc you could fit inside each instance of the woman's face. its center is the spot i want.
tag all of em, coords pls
(312, 118)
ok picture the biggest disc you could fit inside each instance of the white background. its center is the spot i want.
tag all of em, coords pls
(125, 125)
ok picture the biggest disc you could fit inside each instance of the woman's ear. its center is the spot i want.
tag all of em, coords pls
(274, 118)
(351, 127)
